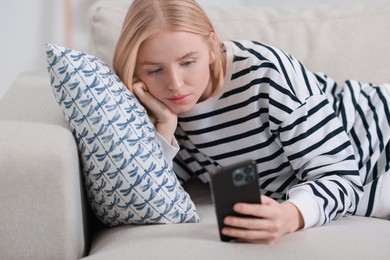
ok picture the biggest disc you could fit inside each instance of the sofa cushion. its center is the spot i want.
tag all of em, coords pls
(127, 177)
(351, 237)
(346, 41)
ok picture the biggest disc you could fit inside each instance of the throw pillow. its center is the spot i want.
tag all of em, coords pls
(127, 177)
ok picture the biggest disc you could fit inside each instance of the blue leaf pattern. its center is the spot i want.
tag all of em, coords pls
(127, 179)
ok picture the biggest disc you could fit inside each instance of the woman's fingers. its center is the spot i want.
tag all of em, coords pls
(247, 222)
(160, 115)
(264, 210)
(250, 235)
(266, 222)
(139, 89)
(150, 102)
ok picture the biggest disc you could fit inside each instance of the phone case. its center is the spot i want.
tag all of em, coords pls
(235, 183)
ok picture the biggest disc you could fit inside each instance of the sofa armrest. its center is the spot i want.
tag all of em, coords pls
(30, 98)
(43, 209)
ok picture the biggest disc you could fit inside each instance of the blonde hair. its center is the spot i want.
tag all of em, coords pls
(147, 17)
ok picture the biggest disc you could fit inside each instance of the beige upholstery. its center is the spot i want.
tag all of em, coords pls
(44, 214)
(344, 41)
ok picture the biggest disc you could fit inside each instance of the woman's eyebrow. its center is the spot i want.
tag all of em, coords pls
(191, 53)
(149, 63)
(185, 56)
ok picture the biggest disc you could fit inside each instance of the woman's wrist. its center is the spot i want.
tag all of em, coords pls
(294, 218)
(167, 131)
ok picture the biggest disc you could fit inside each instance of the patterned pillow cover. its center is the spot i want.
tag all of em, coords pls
(127, 177)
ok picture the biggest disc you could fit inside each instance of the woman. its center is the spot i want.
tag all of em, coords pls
(322, 150)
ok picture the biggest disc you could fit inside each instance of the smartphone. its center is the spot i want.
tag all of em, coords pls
(232, 184)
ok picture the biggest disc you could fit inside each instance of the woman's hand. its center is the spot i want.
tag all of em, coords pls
(264, 223)
(162, 117)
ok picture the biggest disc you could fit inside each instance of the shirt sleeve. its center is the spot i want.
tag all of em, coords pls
(315, 143)
(307, 205)
(322, 156)
(169, 150)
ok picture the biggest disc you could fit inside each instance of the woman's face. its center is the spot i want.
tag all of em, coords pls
(175, 67)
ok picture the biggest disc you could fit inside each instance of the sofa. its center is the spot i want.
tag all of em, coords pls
(44, 211)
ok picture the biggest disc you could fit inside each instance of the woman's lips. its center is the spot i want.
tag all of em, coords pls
(179, 99)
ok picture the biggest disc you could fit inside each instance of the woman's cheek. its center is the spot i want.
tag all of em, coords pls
(154, 88)
(205, 72)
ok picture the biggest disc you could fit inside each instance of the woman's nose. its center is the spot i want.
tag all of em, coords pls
(175, 80)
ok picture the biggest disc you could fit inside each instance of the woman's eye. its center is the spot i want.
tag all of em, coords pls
(188, 63)
(154, 71)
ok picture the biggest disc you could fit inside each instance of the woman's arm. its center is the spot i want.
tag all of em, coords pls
(319, 151)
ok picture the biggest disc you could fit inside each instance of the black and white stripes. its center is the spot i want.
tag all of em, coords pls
(302, 129)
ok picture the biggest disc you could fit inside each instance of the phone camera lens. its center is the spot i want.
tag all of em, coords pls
(248, 178)
(238, 177)
(248, 169)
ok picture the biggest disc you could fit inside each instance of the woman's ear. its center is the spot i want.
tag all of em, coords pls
(212, 47)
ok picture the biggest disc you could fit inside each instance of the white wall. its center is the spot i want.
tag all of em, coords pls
(295, 3)
(26, 25)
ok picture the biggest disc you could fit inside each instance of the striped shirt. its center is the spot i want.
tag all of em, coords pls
(298, 126)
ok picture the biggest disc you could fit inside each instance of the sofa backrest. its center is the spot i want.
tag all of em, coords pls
(349, 41)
